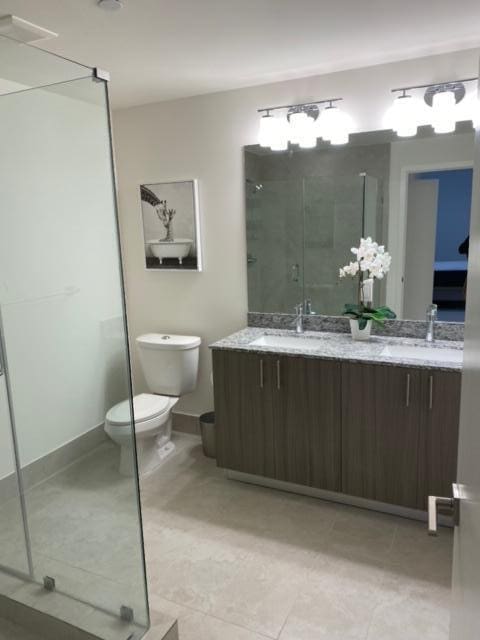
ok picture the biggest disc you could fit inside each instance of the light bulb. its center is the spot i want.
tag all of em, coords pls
(279, 139)
(444, 112)
(308, 139)
(403, 116)
(266, 130)
(334, 125)
(298, 127)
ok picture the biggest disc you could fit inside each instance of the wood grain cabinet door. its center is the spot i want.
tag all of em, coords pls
(307, 429)
(440, 427)
(243, 412)
(398, 409)
(380, 432)
(358, 430)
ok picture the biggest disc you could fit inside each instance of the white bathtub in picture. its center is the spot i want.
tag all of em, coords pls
(178, 249)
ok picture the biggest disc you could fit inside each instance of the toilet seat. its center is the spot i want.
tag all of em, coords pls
(146, 406)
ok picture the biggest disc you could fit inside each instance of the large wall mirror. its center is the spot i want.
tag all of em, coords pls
(305, 209)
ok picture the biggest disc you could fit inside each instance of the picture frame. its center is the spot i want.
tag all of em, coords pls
(171, 225)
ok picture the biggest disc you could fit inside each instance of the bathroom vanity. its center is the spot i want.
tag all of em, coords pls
(375, 421)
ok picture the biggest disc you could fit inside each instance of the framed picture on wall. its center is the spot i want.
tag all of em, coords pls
(171, 226)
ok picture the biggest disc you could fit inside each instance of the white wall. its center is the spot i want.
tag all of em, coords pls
(202, 138)
(59, 277)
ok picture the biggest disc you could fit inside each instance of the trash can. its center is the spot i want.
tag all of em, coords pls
(207, 430)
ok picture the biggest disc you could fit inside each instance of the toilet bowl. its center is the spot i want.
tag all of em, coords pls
(153, 430)
(170, 366)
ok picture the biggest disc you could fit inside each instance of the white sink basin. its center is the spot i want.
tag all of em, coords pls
(287, 342)
(434, 354)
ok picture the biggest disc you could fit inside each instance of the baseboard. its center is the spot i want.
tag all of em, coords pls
(46, 466)
(332, 496)
(186, 423)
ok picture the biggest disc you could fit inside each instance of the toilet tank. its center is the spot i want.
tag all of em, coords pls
(169, 362)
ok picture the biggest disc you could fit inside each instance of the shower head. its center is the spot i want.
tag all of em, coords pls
(255, 187)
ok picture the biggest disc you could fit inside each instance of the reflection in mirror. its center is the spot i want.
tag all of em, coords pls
(305, 209)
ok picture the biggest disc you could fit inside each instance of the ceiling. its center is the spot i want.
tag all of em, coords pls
(165, 49)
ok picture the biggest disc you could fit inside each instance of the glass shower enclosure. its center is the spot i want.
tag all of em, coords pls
(70, 526)
(299, 233)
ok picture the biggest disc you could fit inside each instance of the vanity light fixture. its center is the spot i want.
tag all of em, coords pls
(266, 130)
(302, 124)
(440, 108)
(403, 116)
(272, 132)
(334, 125)
(444, 112)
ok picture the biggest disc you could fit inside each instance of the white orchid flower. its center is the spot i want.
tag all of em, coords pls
(370, 257)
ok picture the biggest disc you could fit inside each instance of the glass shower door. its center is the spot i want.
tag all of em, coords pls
(65, 342)
(274, 245)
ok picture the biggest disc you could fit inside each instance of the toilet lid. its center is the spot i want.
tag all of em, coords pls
(145, 407)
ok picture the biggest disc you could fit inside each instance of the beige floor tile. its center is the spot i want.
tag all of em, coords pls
(193, 625)
(415, 605)
(263, 591)
(362, 533)
(338, 600)
(195, 573)
(416, 553)
(234, 561)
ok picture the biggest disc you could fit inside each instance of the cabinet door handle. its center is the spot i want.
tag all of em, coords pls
(407, 393)
(278, 375)
(261, 373)
(430, 393)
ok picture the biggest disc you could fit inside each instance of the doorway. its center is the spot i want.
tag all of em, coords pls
(438, 219)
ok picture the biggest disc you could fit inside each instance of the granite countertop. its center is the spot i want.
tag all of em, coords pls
(340, 346)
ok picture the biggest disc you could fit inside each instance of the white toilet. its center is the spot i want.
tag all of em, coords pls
(170, 366)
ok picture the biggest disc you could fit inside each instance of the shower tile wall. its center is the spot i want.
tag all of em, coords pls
(324, 191)
(333, 223)
(373, 159)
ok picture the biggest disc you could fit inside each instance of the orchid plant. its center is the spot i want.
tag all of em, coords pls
(372, 262)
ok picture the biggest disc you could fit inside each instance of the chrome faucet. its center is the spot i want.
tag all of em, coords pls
(299, 318)
(308, 307)
(431, 318)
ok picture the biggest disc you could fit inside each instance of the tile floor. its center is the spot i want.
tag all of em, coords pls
(100, 565)
(234, 561)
